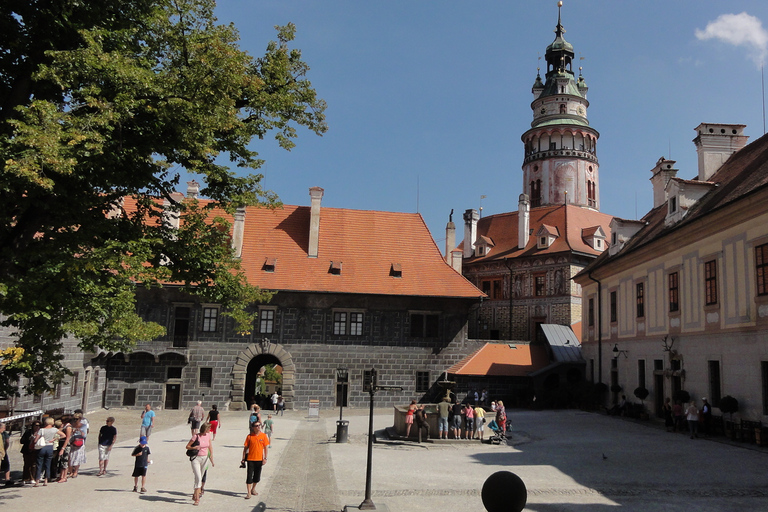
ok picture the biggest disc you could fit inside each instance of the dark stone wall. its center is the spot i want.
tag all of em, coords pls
(303, 328)
(72, 392)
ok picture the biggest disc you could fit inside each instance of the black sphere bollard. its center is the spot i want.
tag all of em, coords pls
(504, 491)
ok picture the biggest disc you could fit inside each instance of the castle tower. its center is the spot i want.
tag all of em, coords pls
(560, 164)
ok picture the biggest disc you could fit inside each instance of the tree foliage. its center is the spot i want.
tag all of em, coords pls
(102, 106)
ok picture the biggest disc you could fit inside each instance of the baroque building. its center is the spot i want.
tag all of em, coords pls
(680, 301)
(524, 260)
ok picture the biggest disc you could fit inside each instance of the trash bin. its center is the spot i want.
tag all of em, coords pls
(342, 431)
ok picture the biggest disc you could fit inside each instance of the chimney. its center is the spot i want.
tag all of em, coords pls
(662, 173)
(237, 232)
(470, 232)
(715, 143)
(316, 193)
(170, 215)
(523, 221)
(450, 238)
(193, 189)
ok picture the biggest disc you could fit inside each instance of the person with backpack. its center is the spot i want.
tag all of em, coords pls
(202, 442)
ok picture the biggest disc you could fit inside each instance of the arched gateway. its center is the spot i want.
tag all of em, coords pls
(270, 352)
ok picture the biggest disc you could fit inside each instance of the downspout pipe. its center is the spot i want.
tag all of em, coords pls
(599, 327)
(506, 264)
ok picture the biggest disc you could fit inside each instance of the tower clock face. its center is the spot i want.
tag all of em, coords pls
(543, 110)
(581, 110)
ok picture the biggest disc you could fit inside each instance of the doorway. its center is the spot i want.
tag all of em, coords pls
(253, 390)
(172, 396)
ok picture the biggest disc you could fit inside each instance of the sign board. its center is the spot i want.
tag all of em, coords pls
(314, 408)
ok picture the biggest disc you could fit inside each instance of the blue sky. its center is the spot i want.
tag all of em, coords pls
(427, 100)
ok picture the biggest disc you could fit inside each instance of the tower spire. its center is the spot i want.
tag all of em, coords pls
(560, 164)
(560, 30)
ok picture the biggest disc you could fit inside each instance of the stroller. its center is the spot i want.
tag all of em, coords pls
(498, 433)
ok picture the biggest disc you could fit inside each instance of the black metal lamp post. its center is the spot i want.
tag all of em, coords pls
(342, 378)
(370, 384)
(342, 427)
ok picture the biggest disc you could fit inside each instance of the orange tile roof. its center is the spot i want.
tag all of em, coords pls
(567, 221)
(503, 360)
(366, 244)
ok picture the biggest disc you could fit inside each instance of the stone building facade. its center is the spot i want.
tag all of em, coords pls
(355, 289)
(680, 301)
(84, 389)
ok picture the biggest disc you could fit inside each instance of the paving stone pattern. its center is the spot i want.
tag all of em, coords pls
(305, 480)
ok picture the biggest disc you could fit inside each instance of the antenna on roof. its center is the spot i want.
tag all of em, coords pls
(481, 205)
(417, 193)
(762, 82)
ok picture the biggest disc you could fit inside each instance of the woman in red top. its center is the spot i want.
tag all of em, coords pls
(409, 418)
(501, 416)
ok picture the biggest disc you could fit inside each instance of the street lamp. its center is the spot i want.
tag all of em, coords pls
(616, 352)
(342, 378)
(342, 427)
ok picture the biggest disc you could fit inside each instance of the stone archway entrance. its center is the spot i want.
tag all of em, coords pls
(261, 355)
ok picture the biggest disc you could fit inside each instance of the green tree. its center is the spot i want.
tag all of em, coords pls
(272, 375)
(102, 106)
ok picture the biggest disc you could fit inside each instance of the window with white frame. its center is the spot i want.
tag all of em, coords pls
(210, 319)
(266, 321)
(348, 323)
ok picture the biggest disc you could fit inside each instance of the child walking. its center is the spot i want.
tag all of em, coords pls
(141, 452)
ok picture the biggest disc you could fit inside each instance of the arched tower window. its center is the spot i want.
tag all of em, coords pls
(535, 193)
(591, 194)
(562, 108)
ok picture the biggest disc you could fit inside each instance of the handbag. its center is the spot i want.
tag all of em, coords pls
(77, 441)
(192, 452)
(40, 443)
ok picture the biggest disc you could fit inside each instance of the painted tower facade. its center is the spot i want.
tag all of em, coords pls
(560, 164)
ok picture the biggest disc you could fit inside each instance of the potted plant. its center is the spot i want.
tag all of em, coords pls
(642, 393)
(729, 405)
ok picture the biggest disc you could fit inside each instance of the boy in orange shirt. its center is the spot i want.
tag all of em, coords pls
(255, 450)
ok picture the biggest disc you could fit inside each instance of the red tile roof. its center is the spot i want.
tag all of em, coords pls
(366, 244)
(503, 360)
(567, 221)
(743, 174)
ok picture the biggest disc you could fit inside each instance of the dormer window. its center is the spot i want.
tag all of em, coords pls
(672, 204)
(269, 265)
(546, 236)
(396, 270)
(483, 245)
(335, 268)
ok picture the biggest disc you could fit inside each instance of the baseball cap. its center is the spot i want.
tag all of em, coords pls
(143, 440)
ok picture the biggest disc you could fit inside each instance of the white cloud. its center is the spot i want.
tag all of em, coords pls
(739, 30)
